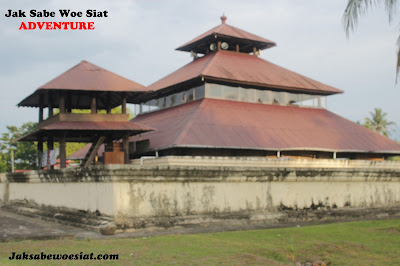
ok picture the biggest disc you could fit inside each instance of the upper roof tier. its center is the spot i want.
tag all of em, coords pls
(82, 79)
(245, 69)
(224, 32)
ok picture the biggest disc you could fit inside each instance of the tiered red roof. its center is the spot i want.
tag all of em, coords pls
(246, 69)
(229, 124)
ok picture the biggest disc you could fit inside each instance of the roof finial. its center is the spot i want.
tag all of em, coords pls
(223, 18)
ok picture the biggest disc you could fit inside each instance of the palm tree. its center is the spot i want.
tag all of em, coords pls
(378, 122)
(356, 8)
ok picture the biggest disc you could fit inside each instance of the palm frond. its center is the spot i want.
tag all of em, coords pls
(391, 7)
(357, 8)
(354, 9)
(378, 122)
(398, 59)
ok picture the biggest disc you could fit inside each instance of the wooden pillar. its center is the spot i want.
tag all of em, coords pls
(63, 153)
(125, 144)
(254, 51)
(50, 100)
(50, 146)
(108, 103)
(124, 104)
(219, 45)
(93, 106)
(40, 152)
(12, 161)
(69, 103)
(61, 104)
(41, 107)
(237, 48)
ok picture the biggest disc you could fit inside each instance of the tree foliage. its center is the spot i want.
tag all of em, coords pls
(25, 153)
(116, 110)
(357, 8)
(378, 122)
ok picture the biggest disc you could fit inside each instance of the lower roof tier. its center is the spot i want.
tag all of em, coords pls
(212, 123)
(85, 131)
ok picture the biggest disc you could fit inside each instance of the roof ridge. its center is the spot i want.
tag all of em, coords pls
(203, 58)
(202, 35)
(207, 65)
(58, 76)
(305, 78)
(240, 32)
(87, 65)
(190, 123)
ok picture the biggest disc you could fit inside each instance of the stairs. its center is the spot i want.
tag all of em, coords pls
(97, 142)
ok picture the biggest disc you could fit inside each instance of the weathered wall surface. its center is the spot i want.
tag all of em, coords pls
(3, 189)
(177, 199)
(82, 196)
(262, 162)
(132, 193)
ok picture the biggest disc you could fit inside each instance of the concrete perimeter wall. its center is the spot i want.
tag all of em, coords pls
(159, 189)
(3, 186)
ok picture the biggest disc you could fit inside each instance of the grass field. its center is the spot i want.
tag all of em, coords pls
(354, 243)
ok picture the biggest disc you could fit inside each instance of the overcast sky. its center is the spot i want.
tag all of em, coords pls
(138, 40)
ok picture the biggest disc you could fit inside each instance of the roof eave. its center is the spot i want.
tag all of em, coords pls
(190, 46)
(277, 149)
(272, 86)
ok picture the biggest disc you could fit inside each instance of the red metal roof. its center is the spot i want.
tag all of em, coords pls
(229, 124)
(246, 69)
(226, 30)
(86, 76)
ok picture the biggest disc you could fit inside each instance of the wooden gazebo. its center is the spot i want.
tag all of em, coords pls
(85, 86)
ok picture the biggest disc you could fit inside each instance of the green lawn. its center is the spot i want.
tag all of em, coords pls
(354, 243)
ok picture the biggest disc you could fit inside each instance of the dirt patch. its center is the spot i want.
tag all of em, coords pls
(251, 259)
(17, 227)
(391, 230)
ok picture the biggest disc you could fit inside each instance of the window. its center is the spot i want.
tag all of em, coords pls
(278, 97)
(230, 93)
(217, 91)
(293, 98)
(199, 92)
(246, 95)
(214, 91)
(189, 95)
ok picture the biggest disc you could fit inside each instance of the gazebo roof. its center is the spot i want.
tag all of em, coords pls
(85, 131)
(83, 79)
(224, 31)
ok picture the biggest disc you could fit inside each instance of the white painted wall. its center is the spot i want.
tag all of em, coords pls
(148, 199)
(135, 191)
(155, 199)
